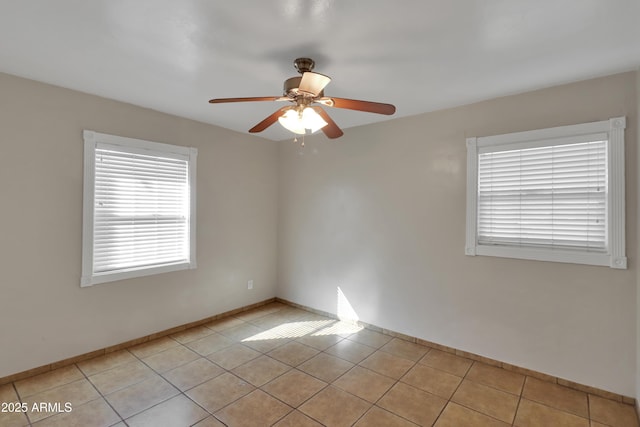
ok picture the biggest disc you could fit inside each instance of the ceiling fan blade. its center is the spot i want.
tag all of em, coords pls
(313, 83)
(251, 99)
(268, 121)
(354, 104)
(331, 129)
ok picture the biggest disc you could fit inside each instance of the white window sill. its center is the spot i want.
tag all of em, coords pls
(130, 274)
(554, 255)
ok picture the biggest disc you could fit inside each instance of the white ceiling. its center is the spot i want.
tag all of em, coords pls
(421, 55)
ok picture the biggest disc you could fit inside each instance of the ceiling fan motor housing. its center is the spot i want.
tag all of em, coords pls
(291, 86)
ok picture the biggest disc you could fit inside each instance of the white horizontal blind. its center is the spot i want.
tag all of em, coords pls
(142, 208)
(551, 196)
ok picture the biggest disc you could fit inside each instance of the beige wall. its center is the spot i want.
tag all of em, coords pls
(380, 213)
(44, 314)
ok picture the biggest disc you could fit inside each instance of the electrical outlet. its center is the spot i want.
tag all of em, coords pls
(250, 284)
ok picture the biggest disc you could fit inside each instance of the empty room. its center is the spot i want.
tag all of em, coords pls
(319, 213)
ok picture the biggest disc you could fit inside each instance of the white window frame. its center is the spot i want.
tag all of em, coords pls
(615, 228)
(91, 141)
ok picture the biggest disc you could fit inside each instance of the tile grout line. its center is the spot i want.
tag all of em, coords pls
(587, 395)
(26, 415)
(515, 413)
(180, 392)
(384, 394)
(102, 396)
(301, 403)
(449, 400)
(141, 381)
(397, 380)
(84, 377)
(520, 396)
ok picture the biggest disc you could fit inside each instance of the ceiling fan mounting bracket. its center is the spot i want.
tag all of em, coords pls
(304, 65)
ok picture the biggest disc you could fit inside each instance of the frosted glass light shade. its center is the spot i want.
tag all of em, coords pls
(312, 120)
(301, 122)
(292, 121)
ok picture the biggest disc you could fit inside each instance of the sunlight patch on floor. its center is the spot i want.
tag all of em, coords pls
(290, 330)
(339, 328)
(347, 325)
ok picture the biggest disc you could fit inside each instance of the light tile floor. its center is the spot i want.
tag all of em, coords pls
(282, 366)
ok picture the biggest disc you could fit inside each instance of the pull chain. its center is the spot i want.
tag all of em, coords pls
(295, 139)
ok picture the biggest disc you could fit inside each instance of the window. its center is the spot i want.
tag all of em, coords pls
(551, 194)
(139, 208)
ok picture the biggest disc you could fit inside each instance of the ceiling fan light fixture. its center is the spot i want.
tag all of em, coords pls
(307, 121)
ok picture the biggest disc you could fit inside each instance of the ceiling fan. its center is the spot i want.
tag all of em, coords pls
(303, 91)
